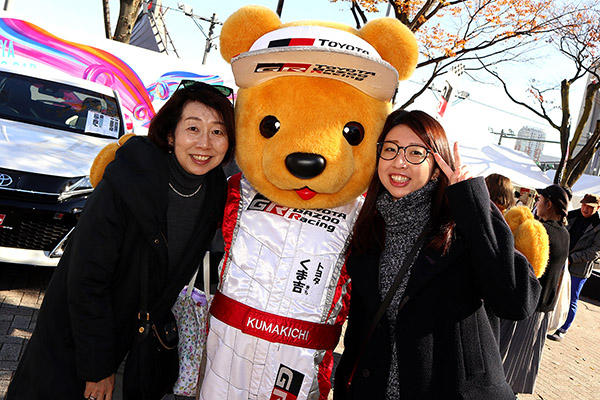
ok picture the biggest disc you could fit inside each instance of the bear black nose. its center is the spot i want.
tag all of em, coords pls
(305, 165)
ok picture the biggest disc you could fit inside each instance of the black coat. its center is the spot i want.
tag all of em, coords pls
(584, 257)
(558, 238)
(446, 348)
(87, 320)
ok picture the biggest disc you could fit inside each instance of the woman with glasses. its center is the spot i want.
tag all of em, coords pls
(150, 218)
(428, 249)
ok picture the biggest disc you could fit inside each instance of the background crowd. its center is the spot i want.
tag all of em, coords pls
(574, 248)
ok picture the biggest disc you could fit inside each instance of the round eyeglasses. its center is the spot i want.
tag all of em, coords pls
(413, 154)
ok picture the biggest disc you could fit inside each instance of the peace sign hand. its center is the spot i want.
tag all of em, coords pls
(460, 172)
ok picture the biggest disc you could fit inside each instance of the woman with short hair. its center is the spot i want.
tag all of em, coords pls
(501, 191)
(153, 214)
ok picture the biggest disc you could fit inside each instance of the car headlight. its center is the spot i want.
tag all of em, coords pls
(77, 187)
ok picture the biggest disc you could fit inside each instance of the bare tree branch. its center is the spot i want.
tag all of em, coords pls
(521, 103)
(356, 12)
(420, 18)
(355, 15)
(422, 90)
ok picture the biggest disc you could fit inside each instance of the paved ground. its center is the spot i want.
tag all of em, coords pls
(21, 293)
(569, 370)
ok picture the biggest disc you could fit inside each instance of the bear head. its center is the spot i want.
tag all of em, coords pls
(312, 100)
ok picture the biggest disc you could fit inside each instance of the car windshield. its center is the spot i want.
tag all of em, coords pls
(58, 105)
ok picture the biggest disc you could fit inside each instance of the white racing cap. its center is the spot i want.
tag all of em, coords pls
(316, 51)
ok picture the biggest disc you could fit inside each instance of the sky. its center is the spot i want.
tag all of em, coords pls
(470, 120)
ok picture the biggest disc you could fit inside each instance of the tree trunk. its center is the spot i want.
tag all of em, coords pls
(127, 15)
(564, 155)
(400, 11)
(578, 169)
(565, 130)
(106, 12)
(577, 161)
(590, 93)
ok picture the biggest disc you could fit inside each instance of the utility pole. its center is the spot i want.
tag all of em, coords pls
(510, 135)
(209, 38)
(187, 10)
(501, 136)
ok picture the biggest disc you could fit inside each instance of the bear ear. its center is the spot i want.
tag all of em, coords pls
(244, 27)
(394, 42)
(104, 157)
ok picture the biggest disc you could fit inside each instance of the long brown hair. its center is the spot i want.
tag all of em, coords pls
(369, 228)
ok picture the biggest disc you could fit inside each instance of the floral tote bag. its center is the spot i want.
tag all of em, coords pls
(191, 313)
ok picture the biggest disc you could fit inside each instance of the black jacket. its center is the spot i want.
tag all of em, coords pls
(87, 321)
(559, 251)
(446, 348)
(585, 254)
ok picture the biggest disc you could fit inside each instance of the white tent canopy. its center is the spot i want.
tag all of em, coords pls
(518, 166)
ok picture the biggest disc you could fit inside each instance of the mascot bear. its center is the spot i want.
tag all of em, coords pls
(312, 100)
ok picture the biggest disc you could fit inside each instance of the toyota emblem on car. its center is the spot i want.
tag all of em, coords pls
(5, 180)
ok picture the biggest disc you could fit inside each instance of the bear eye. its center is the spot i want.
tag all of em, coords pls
(269, 126)
(354, 133)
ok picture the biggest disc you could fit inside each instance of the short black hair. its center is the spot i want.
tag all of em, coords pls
(165, 121)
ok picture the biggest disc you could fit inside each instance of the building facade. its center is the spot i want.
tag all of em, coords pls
(532, 147)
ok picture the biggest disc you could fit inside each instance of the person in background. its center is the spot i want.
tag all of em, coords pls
(524, 352)
(168, 187)
(501, 191)
(518, 201)
(584, 251)
(433, 340)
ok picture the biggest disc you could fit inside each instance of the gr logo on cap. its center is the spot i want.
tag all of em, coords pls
(320, 52)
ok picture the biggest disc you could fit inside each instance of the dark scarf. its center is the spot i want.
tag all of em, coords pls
(405, 219)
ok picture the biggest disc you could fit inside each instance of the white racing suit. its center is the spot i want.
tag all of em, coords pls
(282, 300)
